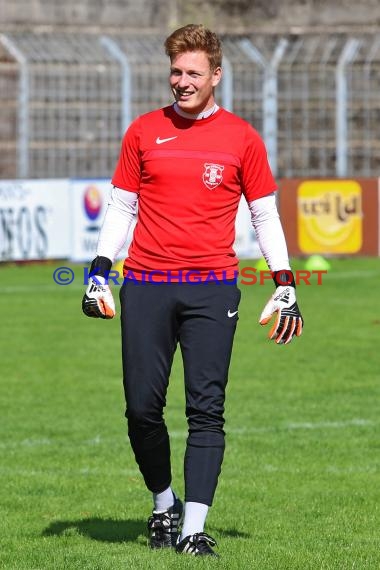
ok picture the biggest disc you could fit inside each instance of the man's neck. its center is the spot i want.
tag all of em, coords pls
(196, 116)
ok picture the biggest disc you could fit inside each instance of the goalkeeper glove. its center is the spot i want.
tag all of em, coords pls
(289, 321)
(98, 301)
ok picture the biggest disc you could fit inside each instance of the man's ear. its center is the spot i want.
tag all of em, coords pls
(216, 76)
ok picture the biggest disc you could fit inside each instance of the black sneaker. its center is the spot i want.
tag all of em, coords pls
(163, 527)
(198, 544)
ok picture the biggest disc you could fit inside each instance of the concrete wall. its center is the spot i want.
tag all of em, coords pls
(223, 15)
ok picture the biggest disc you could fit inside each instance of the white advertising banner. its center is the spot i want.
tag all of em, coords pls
(89, 199)
(34, 219)
(89, 204)
(61, 218)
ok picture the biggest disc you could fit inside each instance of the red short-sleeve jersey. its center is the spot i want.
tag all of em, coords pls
(190, 175)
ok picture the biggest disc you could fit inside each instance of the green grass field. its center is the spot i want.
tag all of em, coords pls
(300, 485)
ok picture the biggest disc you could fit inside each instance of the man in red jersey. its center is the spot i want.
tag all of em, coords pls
(186, 166)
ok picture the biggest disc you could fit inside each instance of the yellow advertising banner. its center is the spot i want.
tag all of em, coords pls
(330, 216)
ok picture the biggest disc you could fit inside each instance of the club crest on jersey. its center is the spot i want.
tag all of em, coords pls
(213, 175)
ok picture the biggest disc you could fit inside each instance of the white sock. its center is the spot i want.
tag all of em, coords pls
(163, 501)
(195, 518)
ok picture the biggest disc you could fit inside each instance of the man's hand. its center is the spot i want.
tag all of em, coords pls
(98, 301)
(289, 321)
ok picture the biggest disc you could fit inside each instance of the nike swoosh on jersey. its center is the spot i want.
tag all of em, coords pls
(160, 141)
(230, 314)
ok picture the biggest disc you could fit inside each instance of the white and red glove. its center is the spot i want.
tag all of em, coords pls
(98, 301)
(283, 303)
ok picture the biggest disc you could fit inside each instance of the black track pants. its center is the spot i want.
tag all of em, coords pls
(202, 318)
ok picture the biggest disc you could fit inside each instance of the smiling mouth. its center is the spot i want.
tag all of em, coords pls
(184, 94)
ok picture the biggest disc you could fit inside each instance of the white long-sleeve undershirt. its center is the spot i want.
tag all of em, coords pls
(270, 235)
(121, 210)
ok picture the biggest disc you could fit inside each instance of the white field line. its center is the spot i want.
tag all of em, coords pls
(133, 473)
(98, 440)
(330, 469)
(350, 274)
(84, 471)
(40, 288)
(37, 288)
(357, 422)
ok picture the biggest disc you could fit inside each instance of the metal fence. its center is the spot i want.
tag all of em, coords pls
(66, 99)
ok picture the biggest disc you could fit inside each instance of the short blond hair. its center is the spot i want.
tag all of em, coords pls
(195, 37)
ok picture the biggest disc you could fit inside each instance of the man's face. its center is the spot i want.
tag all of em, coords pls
(192, 81)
